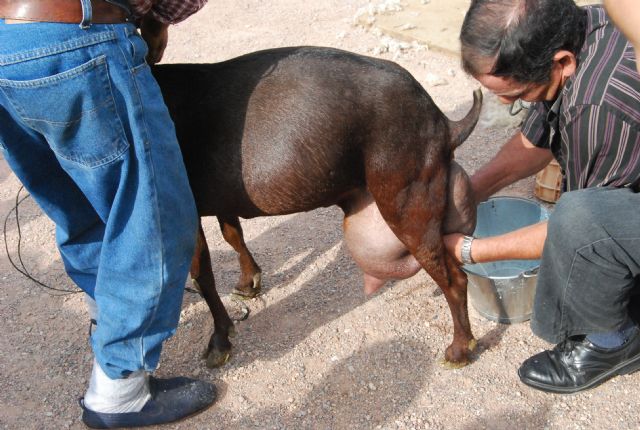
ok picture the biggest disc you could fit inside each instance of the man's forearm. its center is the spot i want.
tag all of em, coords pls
(522, 244)
(516, 160)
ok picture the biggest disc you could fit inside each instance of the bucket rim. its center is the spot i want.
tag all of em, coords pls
(524, 199)
(466, 268)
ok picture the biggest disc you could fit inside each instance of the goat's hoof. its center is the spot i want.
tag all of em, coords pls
(215, 358)
(456, 358)
(246, 293)
(196, 286)
(453, 364)
(249, 291)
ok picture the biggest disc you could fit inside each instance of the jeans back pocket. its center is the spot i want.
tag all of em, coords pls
(74, 110)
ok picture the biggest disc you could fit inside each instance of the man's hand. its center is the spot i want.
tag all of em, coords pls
(156, 34)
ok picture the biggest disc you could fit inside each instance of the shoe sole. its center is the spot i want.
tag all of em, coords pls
(103, 423)
(103, 426)
(622, 369)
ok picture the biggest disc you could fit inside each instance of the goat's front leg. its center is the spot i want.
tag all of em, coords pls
(219, 349)
(250, 282)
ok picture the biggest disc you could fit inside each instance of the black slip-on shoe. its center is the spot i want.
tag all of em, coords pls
(171, 400)
(576, 364)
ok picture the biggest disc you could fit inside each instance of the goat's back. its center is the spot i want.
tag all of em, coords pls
(292, 129)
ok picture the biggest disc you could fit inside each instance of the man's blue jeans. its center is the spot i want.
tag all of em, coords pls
(588, 279)
(84, 127)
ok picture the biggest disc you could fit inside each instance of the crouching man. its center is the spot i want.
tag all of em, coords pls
(579, 72)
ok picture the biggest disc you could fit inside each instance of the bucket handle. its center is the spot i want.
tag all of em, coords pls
(531, 273)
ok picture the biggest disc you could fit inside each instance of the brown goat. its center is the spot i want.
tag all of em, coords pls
(294, 129)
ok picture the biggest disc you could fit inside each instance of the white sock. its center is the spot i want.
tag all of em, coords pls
(92, 307)
(108, 395)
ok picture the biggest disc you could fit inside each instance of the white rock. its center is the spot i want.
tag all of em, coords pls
(407, 26)
(434, 80)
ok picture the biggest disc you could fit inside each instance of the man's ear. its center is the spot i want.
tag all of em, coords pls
(567, 60)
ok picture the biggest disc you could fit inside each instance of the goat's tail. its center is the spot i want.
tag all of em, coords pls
(460, 130)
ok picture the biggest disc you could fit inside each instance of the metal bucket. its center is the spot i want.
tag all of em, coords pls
(503, 291)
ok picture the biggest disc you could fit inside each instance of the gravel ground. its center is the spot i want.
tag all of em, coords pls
(315, 352)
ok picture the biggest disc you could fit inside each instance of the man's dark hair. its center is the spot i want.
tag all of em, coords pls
(518, 38)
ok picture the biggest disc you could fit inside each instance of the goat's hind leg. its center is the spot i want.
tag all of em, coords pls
(419, 226)
(458, 353)
(219, 348)
(453, 283)
(250, 282)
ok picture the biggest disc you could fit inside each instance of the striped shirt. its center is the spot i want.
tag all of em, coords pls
(167, 11)
(593, 128)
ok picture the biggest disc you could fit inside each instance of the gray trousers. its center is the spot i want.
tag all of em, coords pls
(590, 265)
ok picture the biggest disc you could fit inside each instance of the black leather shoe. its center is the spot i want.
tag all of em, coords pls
(576, 364)
(171, 400)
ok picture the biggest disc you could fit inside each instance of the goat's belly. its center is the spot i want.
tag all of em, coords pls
(375, 248)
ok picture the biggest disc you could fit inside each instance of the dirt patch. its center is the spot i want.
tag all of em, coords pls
(315, 352)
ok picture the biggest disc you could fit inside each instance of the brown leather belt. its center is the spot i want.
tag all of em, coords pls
(67, 11)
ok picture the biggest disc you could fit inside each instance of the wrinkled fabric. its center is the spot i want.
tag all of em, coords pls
(590, 269)
(83, 125)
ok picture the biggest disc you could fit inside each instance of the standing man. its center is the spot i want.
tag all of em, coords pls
(579, 72)
(84, 127)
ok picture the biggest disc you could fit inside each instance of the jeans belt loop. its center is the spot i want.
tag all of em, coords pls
(86, 14)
